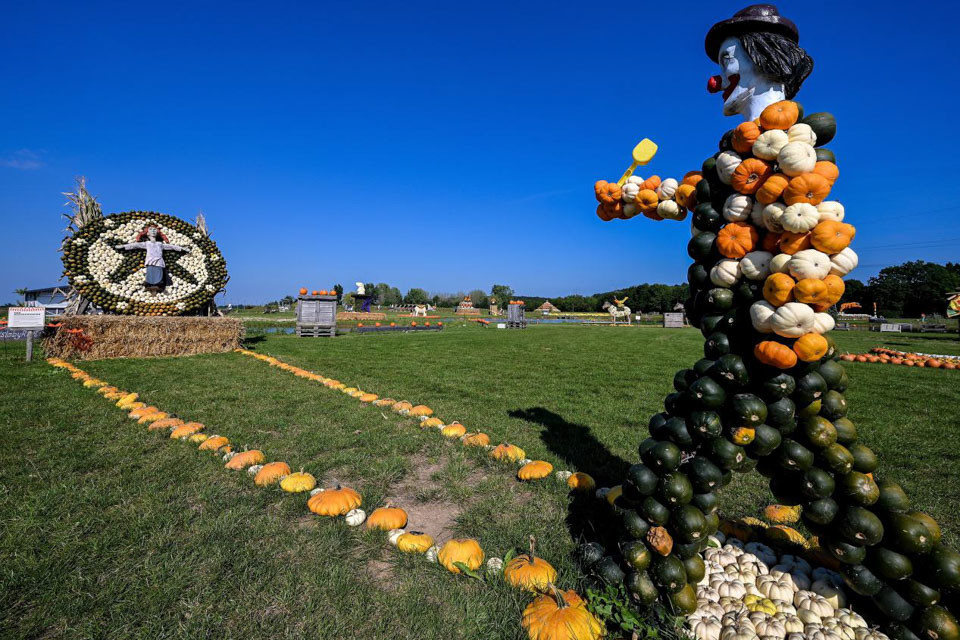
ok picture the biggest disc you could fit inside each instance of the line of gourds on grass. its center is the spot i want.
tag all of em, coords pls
(770, 252)
(890, 356)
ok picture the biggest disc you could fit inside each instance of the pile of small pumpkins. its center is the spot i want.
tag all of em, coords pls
(770, 252)
(889, 356)
(320, 292)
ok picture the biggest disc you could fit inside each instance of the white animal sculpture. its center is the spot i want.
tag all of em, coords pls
(420, 310)
(618, 310)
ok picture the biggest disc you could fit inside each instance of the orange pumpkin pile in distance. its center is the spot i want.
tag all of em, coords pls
(881, 355)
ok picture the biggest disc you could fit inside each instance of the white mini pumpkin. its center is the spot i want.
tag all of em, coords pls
(495, 565)
(770, 627)
(707, 628)
(743, 630)
(670, 210)
(727, 163)
(791, 623)
(792, 320)
(780, 263)
(796, 158)
(707, 593)
(563, 476)
(850, 618)
(394, 535)
(862, 633)
(667, 188)
(823, 323)
(630, 210)
(844, 262)
(756, 215)
(737, 207)
(830, 210)
(799, 217)
(355, 517)
(801, 132)
(810, 263)
(810, 601)
(725, 273)
(769, 143)
(756, 265)
(431, 553)
(779, 587)
(771, 216)
(731, 589)
(254, 469)
(630, 190)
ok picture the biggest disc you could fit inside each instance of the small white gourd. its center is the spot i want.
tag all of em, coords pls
(811, 263)
(792, 320)
(727, 163)
(830, 210)
(796, 158)
(799, 217)
(844, 262)
(725, 273)
(355, 517)
(667, 188)
(780, 263)
(768, 144)
(737, 207)
(801, 132)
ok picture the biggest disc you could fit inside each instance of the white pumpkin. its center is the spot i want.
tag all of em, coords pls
(737, 207)
(810, 263)
(708, 594)
(830, 210)
(823, 323)
(431, 553)
(777, 587)
(707, 628)
(740, 631)
(844, 262)
(862, 633)
(799, 217)
(761, 313)
(254, 469)
(727, 163)
(394, 535)
(780, 263)
(792, 623)
(810, 601)
(630, 189)
(630, 210)
(796, 158)
(808, 617)
(769, 144)
(734, 610)
(771, 216)
(839, 628)
(756, 265)
(822, 633)
(667, 188)
(495, 565)
(725, 273)
(670, 210)
(796, 636)
(756, 215)
(850, 618)
(716, 539)
(562, 476)
(792, 320)
(771, 626)
(736, 544)
(802, 133)
(723, 556)
(785, 607)
(355, 517)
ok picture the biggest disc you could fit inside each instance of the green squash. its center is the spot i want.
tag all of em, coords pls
(609, 571)
(836, 458)
(810, 388)
(892, 498)
(637, 555)
(918, 594)
(702, 365)
(684, 550)
(898, 631)
(846, 431)
(641, 586)
(706, 395)
(702, 248)
(936, 623)
(706, 502)
(825, 155)
(730, 372)
(817, 483)
(932, 527)
(634, 524)
(782, 415)
(794, 456)
(643, 478)
(675, 404)
(778, 386)
(705, 424)
(831, 372)
(675, 430)
(861, 580)
(684, 601)
(716, 345)
(859, 526)
(705, 217)
(893, 604)
(725, 454)
(858, 488)
(718, 299)
(590, 553)
(834, 405)
(683, 378)
(822, 511)
(712, 520)
(812, 409)
(907, 534)
(662, 457)
(746, 292)
(819, 431)
(668, 572)
(747, 410)
(766, 439)
(645, 445)
(824, 125)
(941, 568)
(695, 569)
(889, 564)
(674, 489)
(704, 475)
(654, 511)
(688, 523)
(698, 276)
(844, 551)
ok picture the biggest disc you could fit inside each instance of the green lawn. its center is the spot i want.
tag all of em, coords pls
(110, 531)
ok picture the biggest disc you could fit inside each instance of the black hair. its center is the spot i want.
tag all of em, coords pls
(779, 57)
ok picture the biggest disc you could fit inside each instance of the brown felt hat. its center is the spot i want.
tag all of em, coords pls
(756, 17)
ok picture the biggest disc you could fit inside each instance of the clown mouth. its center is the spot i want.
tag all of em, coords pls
(734, 80)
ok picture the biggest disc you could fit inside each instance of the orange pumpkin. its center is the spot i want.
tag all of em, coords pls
(780, 115)
(744, 136)
(775, 354)
(810, 347)
(686, 196)
(650, 183)
(478, 439)
(692, 178)
(737, 239)
(811, 291)
(271, 473)
(771, 242)
(245, 459)
(933, 363)
(811, 188)
(603, 214)
(660, 540)
(778, 289)
(387, 518)
(647, 200)
(828, 170)
(772, 188)
(303, 291)
(607, 192)
(832, 237)
(835, 288)
(750, 175)
(791, 242)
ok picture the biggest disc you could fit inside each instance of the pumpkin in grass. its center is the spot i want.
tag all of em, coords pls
(414, 542)
(778, 289)
(811, 291)
(535, 470)
(368, 397)
(791, 242)
(476, 439)
(298, 482)
(334, 502)
(782, 514)
(139, 412)
(403, 405)
(244, 459)
(421, 410)
(431, 423)
(271, 473)
(384, 402)
(453, 430)
(811, 188)
(744, 135)
(213, 443)
(811, 347)
(561, 615)
(466, 551)
(775, 354)
(387, 518)
(832, 237)
(510, 452)
(737, 239)
(197, 438)
(186, 430)
(750, 175)
(780, 115)
(527, 571)
(580, 481)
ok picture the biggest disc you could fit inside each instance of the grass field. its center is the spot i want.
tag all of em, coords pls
(110, 531)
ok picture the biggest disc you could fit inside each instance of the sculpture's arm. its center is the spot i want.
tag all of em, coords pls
(132, 245)
(657, 199)
(172, 247)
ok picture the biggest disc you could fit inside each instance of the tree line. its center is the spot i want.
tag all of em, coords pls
(906, 290)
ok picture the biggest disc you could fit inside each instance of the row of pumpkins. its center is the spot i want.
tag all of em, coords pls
(553, 614)
(890, 356)
(770, 253)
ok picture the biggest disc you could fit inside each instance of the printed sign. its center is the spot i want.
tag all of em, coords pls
(26, 317)
(953, 305)
(673, 320)
(889, 328)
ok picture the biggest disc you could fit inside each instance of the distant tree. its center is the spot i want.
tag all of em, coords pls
(503, 294)
(416, 295)
(479, 299)
(287, 300)
(912, 288)
(370, 288)
(387, 295)
(21, 294)
(338, 289)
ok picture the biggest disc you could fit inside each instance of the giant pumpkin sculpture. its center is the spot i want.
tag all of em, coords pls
(770, 248)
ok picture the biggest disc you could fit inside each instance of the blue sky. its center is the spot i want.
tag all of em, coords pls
(444, 145)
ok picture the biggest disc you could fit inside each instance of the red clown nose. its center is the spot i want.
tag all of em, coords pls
(715, 84)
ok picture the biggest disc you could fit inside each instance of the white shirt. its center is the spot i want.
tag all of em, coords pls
(154, 251)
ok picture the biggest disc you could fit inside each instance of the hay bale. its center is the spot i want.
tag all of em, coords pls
(142, 337)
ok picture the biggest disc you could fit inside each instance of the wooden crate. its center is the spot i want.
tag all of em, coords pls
(317, 316)
(516, 316)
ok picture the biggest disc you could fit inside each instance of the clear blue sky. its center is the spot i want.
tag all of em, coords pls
(444, 145)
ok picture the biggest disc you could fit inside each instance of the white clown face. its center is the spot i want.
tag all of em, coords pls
(738, 75)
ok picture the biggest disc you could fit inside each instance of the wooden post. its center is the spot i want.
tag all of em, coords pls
(29, 345)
